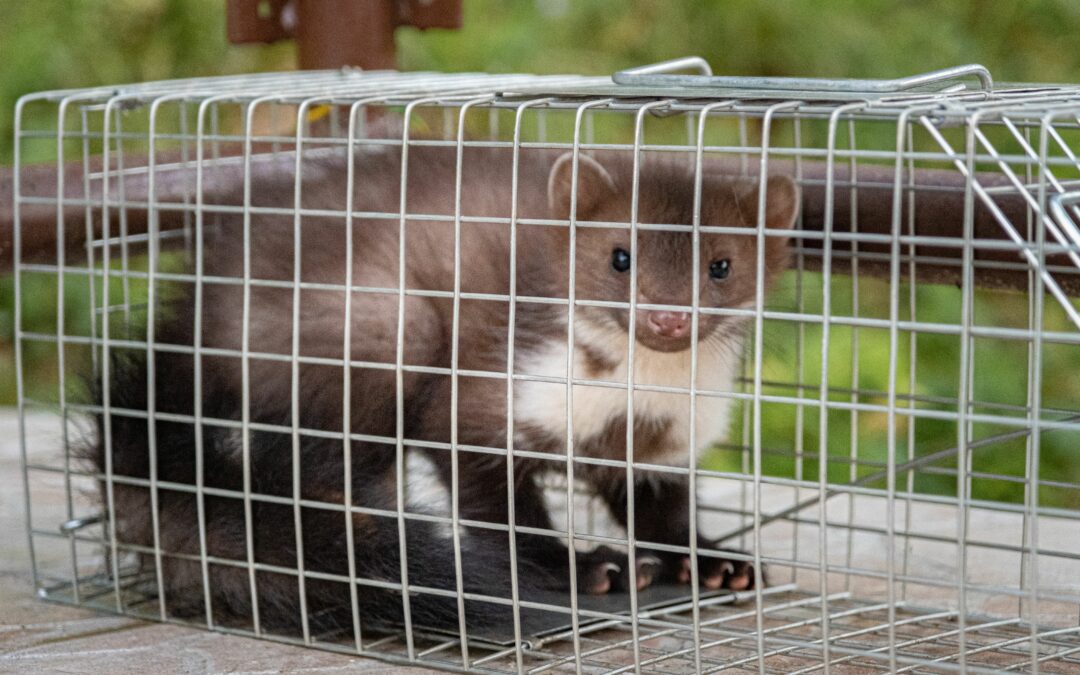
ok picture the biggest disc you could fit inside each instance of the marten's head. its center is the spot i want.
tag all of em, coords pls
(727, 274)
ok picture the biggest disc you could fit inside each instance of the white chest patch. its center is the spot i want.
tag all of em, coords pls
(595, 408)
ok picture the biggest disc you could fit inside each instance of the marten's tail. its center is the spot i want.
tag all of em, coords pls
(224, 530)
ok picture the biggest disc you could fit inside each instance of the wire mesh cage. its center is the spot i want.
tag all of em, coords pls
(675, 373)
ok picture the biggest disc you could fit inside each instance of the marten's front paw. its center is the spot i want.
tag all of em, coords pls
(717, 572)
(604, 569)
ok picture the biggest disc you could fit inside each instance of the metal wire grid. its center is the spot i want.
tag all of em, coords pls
(774, 630)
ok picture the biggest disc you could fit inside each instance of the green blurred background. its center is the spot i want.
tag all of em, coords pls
(50, 44)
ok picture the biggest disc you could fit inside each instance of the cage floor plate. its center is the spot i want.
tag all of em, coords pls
(923, 640)
(539, 626)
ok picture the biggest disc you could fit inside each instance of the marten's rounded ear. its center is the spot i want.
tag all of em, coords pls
(594, 186)
(781, 203)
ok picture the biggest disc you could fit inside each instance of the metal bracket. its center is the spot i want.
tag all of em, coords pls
(665, 74)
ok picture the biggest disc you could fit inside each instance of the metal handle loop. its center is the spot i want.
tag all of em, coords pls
(665, 68)
(1059, 204)
(661, 75)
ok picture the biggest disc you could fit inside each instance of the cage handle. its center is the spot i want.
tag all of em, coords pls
(665, 74)
(1059, 207)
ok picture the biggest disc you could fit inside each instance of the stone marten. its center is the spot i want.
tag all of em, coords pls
(311, 394)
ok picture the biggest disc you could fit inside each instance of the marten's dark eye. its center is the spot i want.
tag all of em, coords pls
(720, 269)
(620, 260)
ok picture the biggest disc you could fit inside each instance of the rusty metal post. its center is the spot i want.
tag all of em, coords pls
(335, 33)
(338, 33)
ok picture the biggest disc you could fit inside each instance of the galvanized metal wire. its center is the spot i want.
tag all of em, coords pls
(862, 583)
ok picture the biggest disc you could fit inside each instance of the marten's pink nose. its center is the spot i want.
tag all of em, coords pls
(670, 324)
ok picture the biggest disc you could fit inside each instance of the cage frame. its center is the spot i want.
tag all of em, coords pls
(947, 105)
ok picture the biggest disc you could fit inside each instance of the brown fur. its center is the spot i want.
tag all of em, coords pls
(665, 276)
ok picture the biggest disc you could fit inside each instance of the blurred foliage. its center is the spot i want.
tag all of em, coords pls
(54, 44)
(1031, 40)
(62, 44)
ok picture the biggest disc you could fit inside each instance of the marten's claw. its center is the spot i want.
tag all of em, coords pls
(596, 578)
(648, 569)
(717, 573)
(604, 570)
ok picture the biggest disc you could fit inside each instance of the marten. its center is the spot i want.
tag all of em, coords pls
(471, 335)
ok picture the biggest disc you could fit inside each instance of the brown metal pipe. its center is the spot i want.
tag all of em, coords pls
(335, 33)
(938, 212)
(939, 209)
